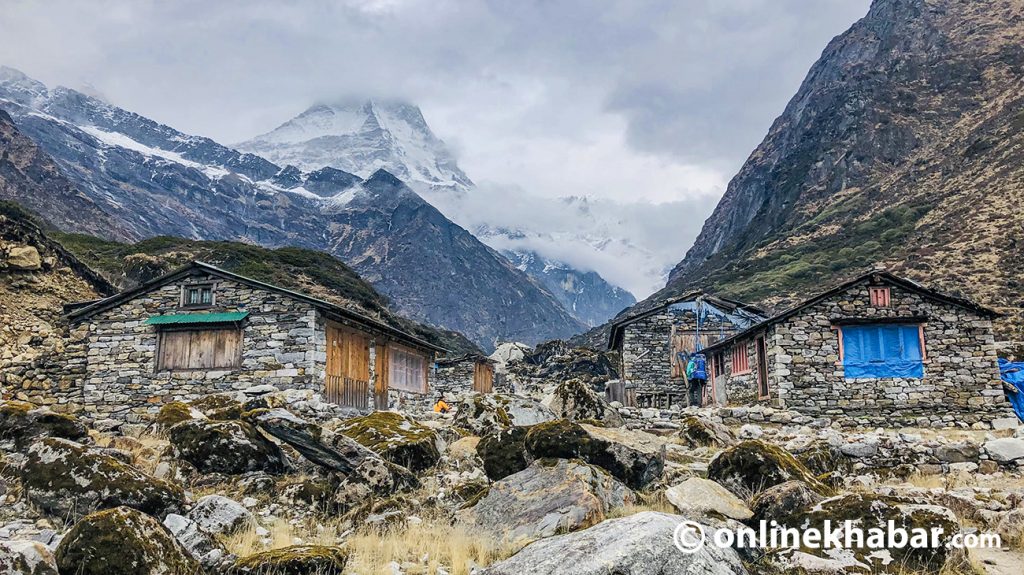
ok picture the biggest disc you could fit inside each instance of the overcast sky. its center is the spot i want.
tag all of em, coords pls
(633, 101)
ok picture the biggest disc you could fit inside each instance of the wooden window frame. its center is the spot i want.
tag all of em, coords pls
(880, 296)
(920, 335)
(162, 332)
(395, 347)
(745, 346)
(761, 350)
(186, 288)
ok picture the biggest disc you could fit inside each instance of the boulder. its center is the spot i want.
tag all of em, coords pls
(23, 423)
(483, 414)
(781, 501)
(229, 447)
(1011, 528)
(869, 511)
(26, 558)
(218, 515)
(634, 457)
(67, 479)
(697, 497)
(503, 452)
(305, 437)
(202, 546)
(1006, 449)
(173, 413)
(577, 401)
(123, 541)
(753, 466)
(296, 560)
(550, 496)
(959, 452)
(640, 544)
(823, 459)
(24, 258)
(396, 438)
(702, 432)
(218, 406)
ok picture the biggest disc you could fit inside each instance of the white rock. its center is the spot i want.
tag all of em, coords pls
(1005, 423)
(33, 555)
(219, 515)
(1005, 450)
(697, 497)
(751, 431)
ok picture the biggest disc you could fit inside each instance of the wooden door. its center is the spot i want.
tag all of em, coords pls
(762, 368)
(348, 367)
(483, 377)
(682, 344)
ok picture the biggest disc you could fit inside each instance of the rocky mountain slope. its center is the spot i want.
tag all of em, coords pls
(585, 294)
(362, 137)
(149, 180)
(902, 146)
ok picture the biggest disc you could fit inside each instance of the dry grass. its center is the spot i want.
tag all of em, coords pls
(651, 502)
(423, 547)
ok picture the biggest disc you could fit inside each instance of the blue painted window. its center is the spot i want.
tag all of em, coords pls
(884, 350)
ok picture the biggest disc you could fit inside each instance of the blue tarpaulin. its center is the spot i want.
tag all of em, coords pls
(1013, 374)
(883, 350)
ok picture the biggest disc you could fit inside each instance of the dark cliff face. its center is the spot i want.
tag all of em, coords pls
(129, 178)
(902, 146)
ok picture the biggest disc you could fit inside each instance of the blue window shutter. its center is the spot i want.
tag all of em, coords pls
(883, 350)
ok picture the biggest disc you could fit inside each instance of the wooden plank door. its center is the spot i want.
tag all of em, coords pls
(483, 377)
(762, 368)
(381, 373)
(348, 367)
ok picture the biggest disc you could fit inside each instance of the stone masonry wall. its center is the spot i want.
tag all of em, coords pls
(646, 352)
(453, 379)
(280, 346)
(961, 378)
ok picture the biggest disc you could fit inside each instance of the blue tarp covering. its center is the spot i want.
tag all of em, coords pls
(874, 351)
(1013, 373)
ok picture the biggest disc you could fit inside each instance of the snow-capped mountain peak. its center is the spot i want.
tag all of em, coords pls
(362, 137)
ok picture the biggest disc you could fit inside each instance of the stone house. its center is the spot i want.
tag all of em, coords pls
(201, 329)
(654, 345)
(464, 374)
(877, 350)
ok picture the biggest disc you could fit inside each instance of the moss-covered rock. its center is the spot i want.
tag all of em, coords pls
(576, 401)
(219, 406)
(485, 413)
(69, 480)
(824, 459)
(870, 511)
(296, 560)
(635, 458)
(701, 432)
(503, 452)
(396, 438)
(173, 413)
(229, 447)
(23, 423)
(123, 541)
(753, 466)
(781, 501)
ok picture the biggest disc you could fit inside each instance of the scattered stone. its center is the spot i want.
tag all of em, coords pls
(548, 497)
(641, 544)
(1011, 528)
(751, 431)
(69, 480)
(199, 544)
(122, 541)
(697, 497)
(296, 560)
(780, 501)
(702, 432)
(25, 258)
(26, 558)
(576, 401)
(960, 452)
(1005, 450)
(173, 413)
(23, 423)
(859, 449)
(229, 447)
(1005, 423)
(219, 515)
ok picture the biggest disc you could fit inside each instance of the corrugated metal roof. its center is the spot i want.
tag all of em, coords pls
(190, 318)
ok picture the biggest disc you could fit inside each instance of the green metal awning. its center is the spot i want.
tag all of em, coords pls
(194, 318)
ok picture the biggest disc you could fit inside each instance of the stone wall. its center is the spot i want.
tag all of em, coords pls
(961, 383)
(646, 352)
(452, 379)
(281, 346)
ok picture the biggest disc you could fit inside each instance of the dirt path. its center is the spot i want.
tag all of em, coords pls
(999, 562)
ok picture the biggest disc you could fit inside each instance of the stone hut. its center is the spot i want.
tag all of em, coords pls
(876, 350)
(461, 375)
(655, 345)
(201, 330)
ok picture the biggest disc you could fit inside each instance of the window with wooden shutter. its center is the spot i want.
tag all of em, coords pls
(740, 358)
(879, 296)
(199, 349)
(407, 370)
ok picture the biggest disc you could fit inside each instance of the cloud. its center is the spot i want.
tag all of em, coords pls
(653, 102)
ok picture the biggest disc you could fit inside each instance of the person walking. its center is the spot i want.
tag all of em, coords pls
(697, 376)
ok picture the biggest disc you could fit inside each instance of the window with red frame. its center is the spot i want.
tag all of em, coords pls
(740, 358)
(879, 296)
